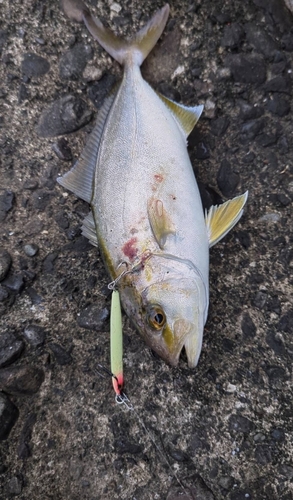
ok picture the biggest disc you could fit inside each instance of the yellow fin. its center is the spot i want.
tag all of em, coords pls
(186, 116)
(160, 222)
(220, 219)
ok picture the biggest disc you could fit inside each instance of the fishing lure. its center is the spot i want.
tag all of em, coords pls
(116, 343)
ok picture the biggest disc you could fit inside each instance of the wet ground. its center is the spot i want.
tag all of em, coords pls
(223, 430)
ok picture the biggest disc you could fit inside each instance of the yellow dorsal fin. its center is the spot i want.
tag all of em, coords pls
(186, 116)
(160, 221)
(220, 219)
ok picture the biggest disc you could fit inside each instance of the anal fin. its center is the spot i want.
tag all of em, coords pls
(80, 178)
(221, 219)
(88, 229)
(186, 116)
(160, 222)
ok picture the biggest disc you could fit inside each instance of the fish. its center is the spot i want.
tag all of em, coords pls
(146, 213)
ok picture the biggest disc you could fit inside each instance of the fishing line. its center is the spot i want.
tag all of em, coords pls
(129, 406)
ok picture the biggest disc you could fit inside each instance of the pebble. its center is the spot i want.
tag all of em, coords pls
(277, 13)
(287, 42)
(5, 263)
(275, 373)
(73, 61)
(260, 40)
(63, 116)
(115, 7)
(279, 83)
(10, 348)
(23, 93)
(23, 449)
(92, 73)
(31, 249)
(269, 139)
(278, 435)
(40, 199)
(33, 227)
(93, 318)
(34, 334)
(230, 388)
(276, 343)
(3, 293)
(251, 129)
(8, 416)
(34, 296)
(62, 357)
(14, 282)
(30, 184)
(262, 454)
(48, 263)
(249, 111)
(246, 68)
(14, 485)
(6, 203)
(244, 238)
(3, 38)
(34, 65)
(122, 445)
(62, 149)
(227, 179)
(286, 322)
(62, 220)
(247, 326)
(286, 470)
(273, 217)
(219, 126)
(279, 106)
(240, 424)
(99, 90)
(249, 157)
(21, 380)
(226, 482)
(233, 36)
(178, 455)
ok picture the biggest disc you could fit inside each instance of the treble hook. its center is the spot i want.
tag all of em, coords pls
(122, 399)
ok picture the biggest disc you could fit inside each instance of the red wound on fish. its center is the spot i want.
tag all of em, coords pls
(118, 383)
(129, 249)
(158, 177)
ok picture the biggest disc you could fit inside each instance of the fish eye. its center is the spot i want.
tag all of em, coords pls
(156, 317)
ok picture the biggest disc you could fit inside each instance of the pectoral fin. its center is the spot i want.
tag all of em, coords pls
(220, 219)
(160, 222)
(80, 178)
(186, 116)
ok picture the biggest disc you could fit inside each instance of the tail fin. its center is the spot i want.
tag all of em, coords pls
(126, 52)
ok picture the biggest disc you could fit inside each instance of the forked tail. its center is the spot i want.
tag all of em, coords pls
(126, 52)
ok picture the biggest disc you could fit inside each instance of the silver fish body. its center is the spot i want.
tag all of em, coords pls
(148, 219)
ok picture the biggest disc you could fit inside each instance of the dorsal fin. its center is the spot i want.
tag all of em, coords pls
(220, 219)
(79, 179)
(160, 222)
(186, 116)
(88, 229)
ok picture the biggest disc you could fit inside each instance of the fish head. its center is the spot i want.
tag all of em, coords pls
(170, 315)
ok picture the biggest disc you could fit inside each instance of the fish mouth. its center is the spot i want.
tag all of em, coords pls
(183, 334)
(174, 341)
